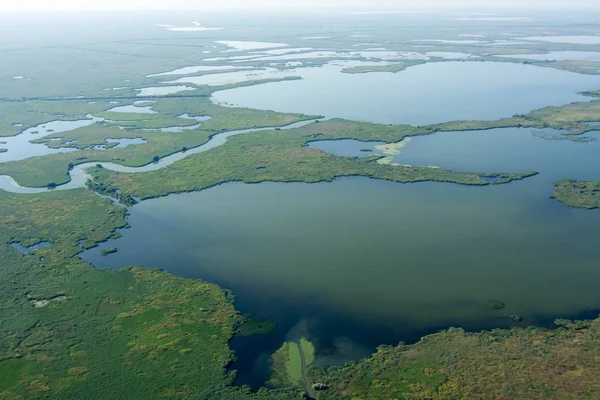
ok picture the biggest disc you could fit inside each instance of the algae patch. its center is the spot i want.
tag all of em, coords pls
(289, 364)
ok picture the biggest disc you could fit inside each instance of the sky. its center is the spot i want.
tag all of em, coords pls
(55, 5)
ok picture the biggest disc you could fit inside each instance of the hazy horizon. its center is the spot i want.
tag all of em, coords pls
(74, 5)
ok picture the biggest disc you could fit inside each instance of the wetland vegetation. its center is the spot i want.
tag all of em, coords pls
(70, 329)
(578, 194)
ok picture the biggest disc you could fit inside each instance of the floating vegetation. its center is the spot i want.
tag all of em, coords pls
(496, 304)
(550, 136)
(252, 325)
(289, 364)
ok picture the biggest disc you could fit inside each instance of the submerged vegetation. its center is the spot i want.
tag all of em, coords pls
(496, 304)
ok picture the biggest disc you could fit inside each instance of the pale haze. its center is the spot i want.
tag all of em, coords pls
(73, 5)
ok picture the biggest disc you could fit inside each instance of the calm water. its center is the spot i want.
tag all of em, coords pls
(358, 262)
(423, 94)
(555, 156)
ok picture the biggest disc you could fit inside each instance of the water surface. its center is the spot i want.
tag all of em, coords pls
(373, 261)
(365, 262)
(423, 94)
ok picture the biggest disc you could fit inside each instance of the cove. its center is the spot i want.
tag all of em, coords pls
(366, 262)
(420, 95)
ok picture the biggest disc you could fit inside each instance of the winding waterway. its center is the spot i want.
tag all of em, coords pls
(79, 173)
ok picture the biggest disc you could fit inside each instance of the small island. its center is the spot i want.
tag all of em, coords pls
(105, 252)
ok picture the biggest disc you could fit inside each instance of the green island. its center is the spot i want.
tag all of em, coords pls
(108, 251)
(578, 194)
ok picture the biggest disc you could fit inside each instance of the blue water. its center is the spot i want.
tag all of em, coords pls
(495, 150)
(347, 148)
(419, 95)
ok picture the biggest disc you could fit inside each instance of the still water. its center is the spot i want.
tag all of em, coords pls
(419, 95)
(360, 262)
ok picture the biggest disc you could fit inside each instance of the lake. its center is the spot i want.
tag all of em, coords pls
(419, 95)
(358, 262)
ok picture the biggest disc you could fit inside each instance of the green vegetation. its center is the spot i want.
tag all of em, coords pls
(17, 116)
(38, 171)
(396, 67)
(69, 330)
(496, 304)
(520, 363)
(294, 363)
(252, 325)
(283, 372)
(105, 252)
(289, 364)
(105, 190)
(277, 156)
(308, 349)
(578, 194)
